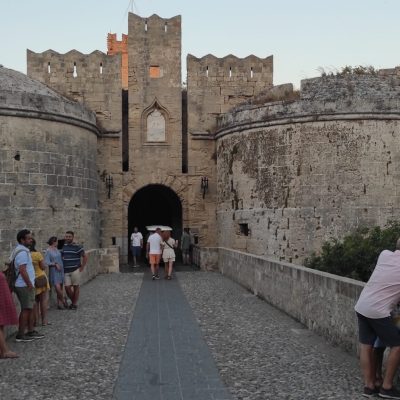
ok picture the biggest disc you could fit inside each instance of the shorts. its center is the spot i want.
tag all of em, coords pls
(26, 297)
(384, 328)
(72, 278)
(136, 250)
(154, 259)
(167, 259)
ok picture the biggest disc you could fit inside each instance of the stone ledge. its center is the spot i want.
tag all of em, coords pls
(321, 301)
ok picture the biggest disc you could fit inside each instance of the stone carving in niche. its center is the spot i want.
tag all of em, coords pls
(156, 126)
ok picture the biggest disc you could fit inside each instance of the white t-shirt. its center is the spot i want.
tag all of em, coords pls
(382, 292)
(136, 238)
(23, 258)
(155, 243)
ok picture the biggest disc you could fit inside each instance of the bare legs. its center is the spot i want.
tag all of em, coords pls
(26, 321)
(42, 306)
(168, 268)
(73, 293)
(4, 350)
(369, 366)
(60, 294)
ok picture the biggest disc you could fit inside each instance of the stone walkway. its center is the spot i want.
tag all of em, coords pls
(80, 355)
(262, 353)
(166, 357)
(190, 339)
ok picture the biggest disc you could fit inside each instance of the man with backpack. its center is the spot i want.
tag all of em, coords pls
(25, 287)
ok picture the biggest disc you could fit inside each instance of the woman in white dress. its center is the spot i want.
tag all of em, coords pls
(168, 254)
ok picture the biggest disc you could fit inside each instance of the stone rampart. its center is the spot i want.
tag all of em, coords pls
(91, 79)
(292, 174)
(323, 302)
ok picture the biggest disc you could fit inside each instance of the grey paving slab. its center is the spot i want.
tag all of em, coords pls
(81, 352)
(166, 356)
(262, 353)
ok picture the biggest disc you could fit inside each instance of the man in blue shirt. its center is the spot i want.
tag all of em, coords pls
(74, 259)
(25, 287)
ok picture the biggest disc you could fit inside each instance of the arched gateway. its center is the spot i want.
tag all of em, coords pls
(155, 205)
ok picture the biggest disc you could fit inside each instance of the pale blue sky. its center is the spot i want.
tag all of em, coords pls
(302, 35)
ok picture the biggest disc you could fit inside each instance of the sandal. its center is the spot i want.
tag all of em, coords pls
(169, 277)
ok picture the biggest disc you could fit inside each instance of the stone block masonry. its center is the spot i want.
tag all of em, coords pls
(323, 302)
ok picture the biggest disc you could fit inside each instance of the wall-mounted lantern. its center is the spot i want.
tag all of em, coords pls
(109, 184)
(204, 185)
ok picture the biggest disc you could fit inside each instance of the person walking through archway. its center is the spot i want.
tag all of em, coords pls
(168, 245)
(136, 245)
(154, 251)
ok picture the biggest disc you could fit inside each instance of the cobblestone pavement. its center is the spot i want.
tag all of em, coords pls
(262, 353)
(80, 355)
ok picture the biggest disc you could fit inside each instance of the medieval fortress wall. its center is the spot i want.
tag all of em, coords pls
(48, 168)
(292, 174)
(286, 170)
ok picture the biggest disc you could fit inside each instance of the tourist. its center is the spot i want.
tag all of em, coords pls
(25, 287)
(168, 253)
(185, 246)
(41, 286)
(378, 299)
(136, 245)
(54, 260)
(8, 316)
(74, 260)
(154, 252)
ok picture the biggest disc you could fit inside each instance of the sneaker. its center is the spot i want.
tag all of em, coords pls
(369, 393)
(73, 307)
(24, 338)
(157, 276)
(154, 277)
(35, 335)
(136, 266)
(389, 393)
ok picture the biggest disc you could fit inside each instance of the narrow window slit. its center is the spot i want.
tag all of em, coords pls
(207, 71)
(48, 68)
(251, 72)
(230, 72)
(101, 68)
(75, 73)
(145, 26)
(166, 27)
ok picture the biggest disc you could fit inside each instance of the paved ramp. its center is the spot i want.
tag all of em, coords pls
(166, 357)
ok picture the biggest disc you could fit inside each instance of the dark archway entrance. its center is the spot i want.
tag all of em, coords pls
(152, 205)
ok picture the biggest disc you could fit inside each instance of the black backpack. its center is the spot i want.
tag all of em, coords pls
(11, 273)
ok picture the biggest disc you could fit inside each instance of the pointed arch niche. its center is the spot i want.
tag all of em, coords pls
(155, 124)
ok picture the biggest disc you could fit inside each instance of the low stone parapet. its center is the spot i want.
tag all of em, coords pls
(323, 302)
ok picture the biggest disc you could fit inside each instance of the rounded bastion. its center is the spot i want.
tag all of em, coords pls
(48, 174)
(292, 174)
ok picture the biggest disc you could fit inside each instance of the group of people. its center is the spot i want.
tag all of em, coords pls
(160, 245)
(32, 285)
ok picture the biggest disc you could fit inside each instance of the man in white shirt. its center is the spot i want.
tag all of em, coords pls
(378, 299)
(154, 251)
(136, 245)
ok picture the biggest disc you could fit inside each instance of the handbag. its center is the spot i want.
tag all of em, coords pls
(41, 282)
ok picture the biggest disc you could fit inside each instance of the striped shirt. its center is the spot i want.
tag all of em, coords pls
(71, 255)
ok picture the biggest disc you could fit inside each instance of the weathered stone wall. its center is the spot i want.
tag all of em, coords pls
(115, 46)
(97, 83)
(53, 187)
(48, 171)
(323, 302)
(301, 172)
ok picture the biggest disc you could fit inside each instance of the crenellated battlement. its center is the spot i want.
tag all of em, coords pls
(92, 79)
(155, 24)
(247, 69)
